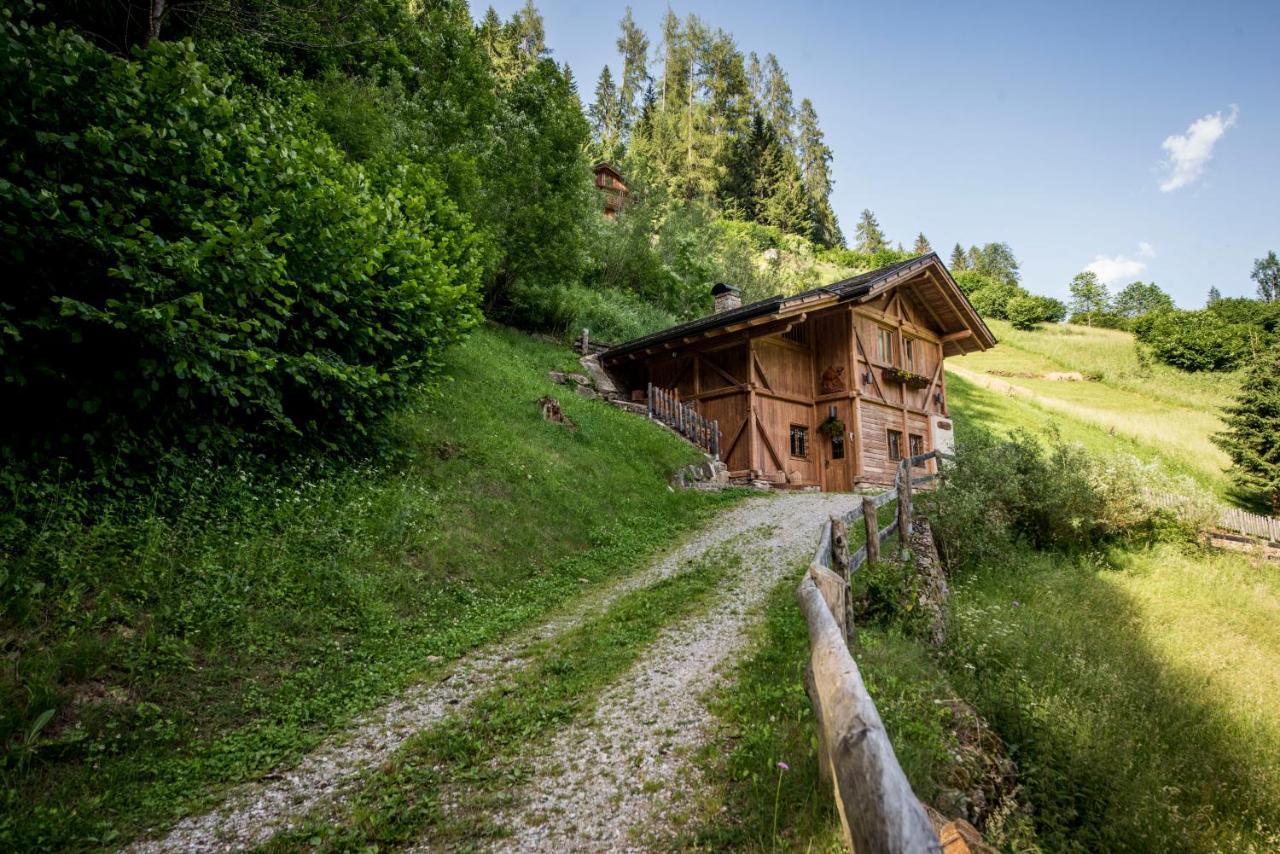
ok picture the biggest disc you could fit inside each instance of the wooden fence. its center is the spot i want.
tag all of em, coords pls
(665, 406)
(1229, 518)
(878, 810)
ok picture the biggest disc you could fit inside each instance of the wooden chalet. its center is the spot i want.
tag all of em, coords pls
(613, 190)
(830, 387)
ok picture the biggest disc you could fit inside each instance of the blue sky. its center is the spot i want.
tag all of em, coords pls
(1043, 125)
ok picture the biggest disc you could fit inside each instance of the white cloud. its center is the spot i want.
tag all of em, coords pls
(1192, 151)
(1110, 270)
(1146, 250)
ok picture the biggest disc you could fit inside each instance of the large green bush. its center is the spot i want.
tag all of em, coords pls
(198, 266)
(1194, 340)
(1052, 495)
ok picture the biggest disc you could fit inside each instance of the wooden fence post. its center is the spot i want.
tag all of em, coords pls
(873, 530)
(904, 511)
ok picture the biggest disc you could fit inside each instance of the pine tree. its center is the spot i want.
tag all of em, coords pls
(1214, 295)
(606, 116)
(778, 106)
(531, 33)
(781, 194)
(1252, 437)
(633, 47)
(958, 259)
(922, 246)
(870, 237)
(815, 164)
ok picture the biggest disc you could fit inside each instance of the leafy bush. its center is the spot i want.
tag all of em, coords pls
(197, 265)
(993, 300)
(1026, 311)
(1194, 340)
(1004, 492)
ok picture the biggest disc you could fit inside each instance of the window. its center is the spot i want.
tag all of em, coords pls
(895, 445)
(917, 444)
(908, 353)
(884, 348)
(837, 447)
(799, 441)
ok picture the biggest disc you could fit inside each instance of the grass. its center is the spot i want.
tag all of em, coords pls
(402, 801)
(183, 651)
(1144, 408)
(1137, 692)
(765, 718)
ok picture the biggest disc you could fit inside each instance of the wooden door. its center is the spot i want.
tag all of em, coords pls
(836, 452)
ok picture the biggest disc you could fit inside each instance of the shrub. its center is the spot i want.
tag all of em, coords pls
(201, 267)
(1002, 492)
(1194, 340)
(1025, 311)
(993, 300)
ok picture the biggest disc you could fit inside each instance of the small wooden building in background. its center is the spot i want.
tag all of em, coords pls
(613, 190)
(830, 387)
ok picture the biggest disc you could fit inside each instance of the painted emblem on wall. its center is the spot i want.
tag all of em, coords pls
(832, 379)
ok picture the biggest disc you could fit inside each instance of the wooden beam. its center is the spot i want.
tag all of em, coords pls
(863, 350)
(751, 403)
(732, 380)
(733, 443)
(764, 378)
(797, 399)
(956, 336)
(768, 444)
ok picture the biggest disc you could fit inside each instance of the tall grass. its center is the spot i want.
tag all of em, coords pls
(1137, 691)
(1114, 356)
(185, 649)
(1149, 409)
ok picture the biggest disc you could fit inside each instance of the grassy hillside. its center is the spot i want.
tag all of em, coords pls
(1125, 403)
(184, 651)
(1136, 690)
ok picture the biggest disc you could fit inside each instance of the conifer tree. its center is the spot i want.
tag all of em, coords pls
(1252, 437)
(633, 47)
(870, 237)
(815, 164)
(606, 116)
(778, 106)
(922, 246)
(782, 197)
(1214, 295)
(958, 259)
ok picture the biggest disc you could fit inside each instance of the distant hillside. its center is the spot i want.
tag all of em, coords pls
(1121, 401)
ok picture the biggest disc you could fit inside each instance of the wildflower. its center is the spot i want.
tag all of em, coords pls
(782, 766)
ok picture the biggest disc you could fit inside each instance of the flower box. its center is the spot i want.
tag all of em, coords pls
(904, 377)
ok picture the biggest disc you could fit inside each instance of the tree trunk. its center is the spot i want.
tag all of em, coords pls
(156, 20)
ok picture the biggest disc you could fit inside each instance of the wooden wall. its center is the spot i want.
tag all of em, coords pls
(757, 388)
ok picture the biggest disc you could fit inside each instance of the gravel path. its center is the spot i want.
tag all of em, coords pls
(621, 780)
(678, 664)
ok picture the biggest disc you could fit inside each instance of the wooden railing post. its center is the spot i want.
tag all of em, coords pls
(904, 510)
(873, 529)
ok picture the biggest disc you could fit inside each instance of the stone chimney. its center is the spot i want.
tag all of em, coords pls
(726, 297)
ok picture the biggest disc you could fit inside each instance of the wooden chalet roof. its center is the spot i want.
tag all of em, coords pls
(963, 330)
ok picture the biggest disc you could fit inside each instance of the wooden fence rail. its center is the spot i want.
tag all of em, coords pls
(665, 406)
(1228, 518)
(879, 812)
